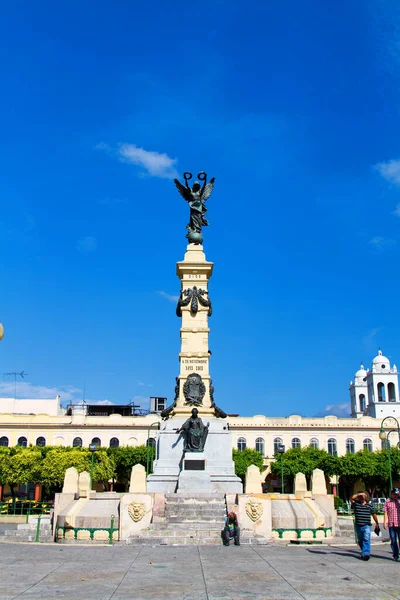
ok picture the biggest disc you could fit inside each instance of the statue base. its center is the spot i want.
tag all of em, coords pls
(207, 471)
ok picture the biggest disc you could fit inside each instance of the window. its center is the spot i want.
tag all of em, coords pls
(114, 443)
(350, 446)
(314, 443)
(363, 404)
(367, 444)
(381, 392)
(161, 404)
(4, 441)
(96, 442)
(241, 443)
(391, 392)
(22, 441)
(296, 443)
(151, 442)
(332, 447)
(77, 443)
(260, 446)
(277, 442)
(40, 441)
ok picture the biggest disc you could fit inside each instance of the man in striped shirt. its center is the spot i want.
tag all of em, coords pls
(363, 511)
(391, 518)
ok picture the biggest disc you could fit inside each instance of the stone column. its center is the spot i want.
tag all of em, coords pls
(194, 272)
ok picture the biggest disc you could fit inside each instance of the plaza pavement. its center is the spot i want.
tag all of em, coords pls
(275, 572)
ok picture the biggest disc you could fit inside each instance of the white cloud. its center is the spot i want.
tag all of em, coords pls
(140, 383)
(369, 340)
(397, 210)
(100, 402)
(389, 170)
(155, 164)
(342, 409)
(28, 390)
(168, 297)
(87, 244)
(380, 243)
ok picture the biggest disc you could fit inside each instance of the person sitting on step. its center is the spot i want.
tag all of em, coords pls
(231, 529)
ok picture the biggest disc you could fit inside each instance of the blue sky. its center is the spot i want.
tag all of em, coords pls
(293, 107)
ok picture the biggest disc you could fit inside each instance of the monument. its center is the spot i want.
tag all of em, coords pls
(192, 455)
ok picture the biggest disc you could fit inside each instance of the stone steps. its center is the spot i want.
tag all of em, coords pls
(168, 540)
(208, 526)
(190, 519)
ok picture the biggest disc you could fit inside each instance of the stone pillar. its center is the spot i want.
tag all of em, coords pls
(71, 481)
(300, 484)
(194, 272)
(138, 480)
(254, 480)
(318, 483)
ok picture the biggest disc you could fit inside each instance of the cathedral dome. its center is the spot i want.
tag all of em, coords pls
(361, 373)
(380, 362)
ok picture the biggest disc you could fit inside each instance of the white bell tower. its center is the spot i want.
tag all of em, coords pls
(383, 389)
(358, 393)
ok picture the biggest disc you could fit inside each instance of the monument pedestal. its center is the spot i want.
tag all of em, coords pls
(175, 470)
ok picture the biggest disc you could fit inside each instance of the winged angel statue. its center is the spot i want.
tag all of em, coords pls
(196, 196)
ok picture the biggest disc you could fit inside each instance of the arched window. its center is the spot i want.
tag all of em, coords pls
(40, 441)
(114, 443)
(241, 443)
(314, 443)
(367, 444)
(332, 446)
(391, 392)
(296, 443)
(381, 392)
(260, 445)
(4, 441)
(277, 443)
(96, 441)
(151, 442)
(350, 446)
(77, 443)
(22, 441)
(363, 404)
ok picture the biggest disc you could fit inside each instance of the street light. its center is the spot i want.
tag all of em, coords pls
(384, 435)
(92, 448)
(281, 451)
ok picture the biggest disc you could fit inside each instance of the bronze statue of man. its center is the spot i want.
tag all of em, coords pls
(195, 433)
(196, 196)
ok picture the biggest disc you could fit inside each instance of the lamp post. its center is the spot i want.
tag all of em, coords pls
(92, 448)
(384, 435)
(281, 450)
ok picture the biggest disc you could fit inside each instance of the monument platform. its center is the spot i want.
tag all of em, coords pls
(212, 470)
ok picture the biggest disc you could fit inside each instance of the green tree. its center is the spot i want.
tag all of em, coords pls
(126, 457)
(19, 465)
(244, 458)
(58, 459)
(304, 460)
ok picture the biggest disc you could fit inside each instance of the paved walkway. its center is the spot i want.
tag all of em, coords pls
(275, 572)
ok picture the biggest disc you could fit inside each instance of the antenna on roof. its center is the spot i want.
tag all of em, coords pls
(16, 374)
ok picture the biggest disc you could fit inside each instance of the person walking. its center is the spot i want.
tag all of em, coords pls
(363, 511)
(391, 519)
(231, 529)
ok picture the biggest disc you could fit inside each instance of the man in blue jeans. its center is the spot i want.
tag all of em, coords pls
(391, 519)
(363, 511)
